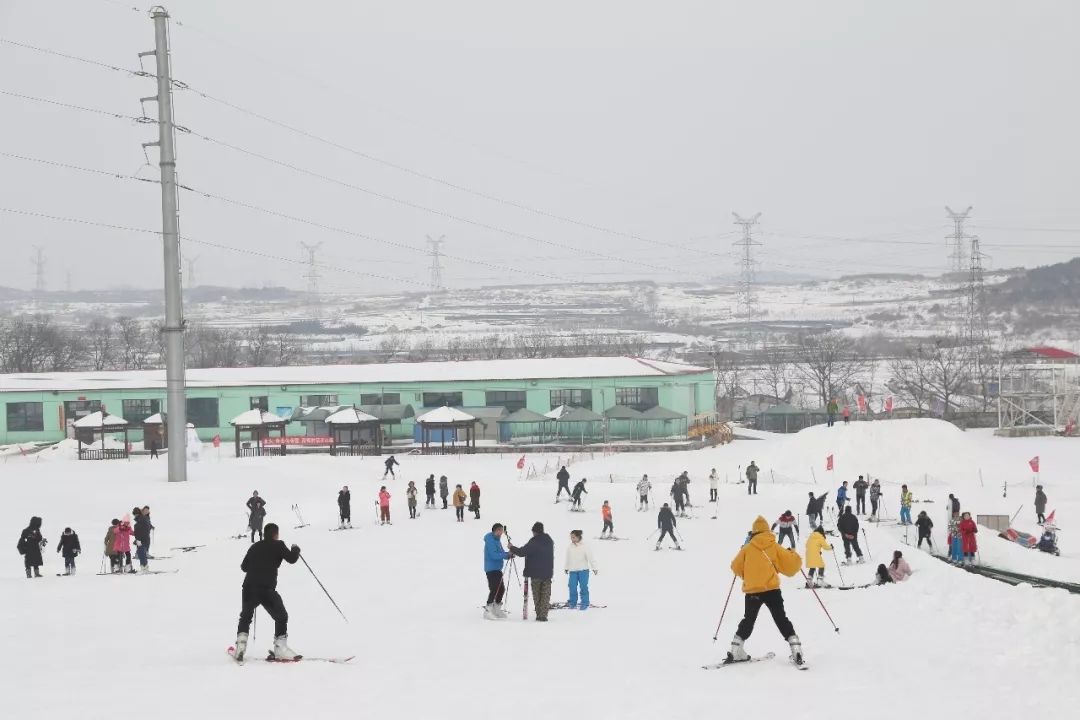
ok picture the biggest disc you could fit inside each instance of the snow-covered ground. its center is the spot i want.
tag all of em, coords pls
(942, 644)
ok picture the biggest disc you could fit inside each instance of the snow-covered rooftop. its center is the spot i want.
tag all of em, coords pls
(444, 415)
(350, 416)
(99, 419)
(475, 370)
(256, 417)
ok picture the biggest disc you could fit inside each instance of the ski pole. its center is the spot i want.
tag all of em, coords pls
(814, 590)
(324, 589)
(724, 611)
(653, 533)
(838, 570)
(869, 552)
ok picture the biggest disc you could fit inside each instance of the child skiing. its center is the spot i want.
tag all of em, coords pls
(410, 499)
(579, 560)
(644, 487)
(576, 495)
(344, 503)
(257, 508)
(906, 499)
(459, 503)
(260, 566)
(609, 527)
(69, 548)
(759, 563)
(494, 557)
(389, 465)
(384, 505)
(123, 544)
(665, 522)
(474, 499)
(875, 498)
(815, 560)
(968, 545)
(110, 545)
(925, 525)
(789, 527)
(30, 545)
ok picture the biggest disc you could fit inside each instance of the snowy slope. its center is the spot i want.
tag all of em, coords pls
(945, 642)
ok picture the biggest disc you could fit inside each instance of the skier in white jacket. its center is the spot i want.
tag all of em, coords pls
(714, 485)
(579, 560)
(644, 487)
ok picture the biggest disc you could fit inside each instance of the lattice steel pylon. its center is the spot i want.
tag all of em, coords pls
(39, 270)
(435, 281)
(959, 239)
(977, 330)
(190, 275)
(312, 276)
(747, 275)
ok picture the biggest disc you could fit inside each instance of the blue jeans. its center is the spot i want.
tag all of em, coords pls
(579, 578)
(141, 552)
(905, 516)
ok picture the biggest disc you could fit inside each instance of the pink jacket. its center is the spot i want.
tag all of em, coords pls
(900, 572)
(122, 538)
(384, 498)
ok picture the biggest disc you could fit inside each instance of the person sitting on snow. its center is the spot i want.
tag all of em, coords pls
(899, 570)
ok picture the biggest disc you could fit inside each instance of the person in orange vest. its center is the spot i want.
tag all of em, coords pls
(609, 527)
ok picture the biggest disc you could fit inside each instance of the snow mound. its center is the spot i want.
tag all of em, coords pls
(69, 449)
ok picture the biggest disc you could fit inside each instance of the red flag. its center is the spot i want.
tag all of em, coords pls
(521, 463)
(1034, 463)
(888, 404)
(1050, 519)
(217, 441)
(828, 462)
(862, 403)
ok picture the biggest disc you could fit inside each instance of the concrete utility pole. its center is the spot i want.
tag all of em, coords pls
(39, 269)
(435, 282)
(176, 392)
(747, 276)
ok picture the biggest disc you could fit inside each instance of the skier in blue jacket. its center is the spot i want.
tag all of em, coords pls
(494, 557)
(841, 498)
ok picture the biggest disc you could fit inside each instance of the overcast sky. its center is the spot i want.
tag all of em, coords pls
(838, 121)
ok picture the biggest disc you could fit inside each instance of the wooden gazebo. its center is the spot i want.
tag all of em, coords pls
(537, 426)
(260, 424)
(443, 423)
(98, 425)
(664, 419)
(354, 433)
(580, 423)
(621, 422)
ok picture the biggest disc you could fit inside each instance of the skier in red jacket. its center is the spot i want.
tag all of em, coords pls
(968, 545)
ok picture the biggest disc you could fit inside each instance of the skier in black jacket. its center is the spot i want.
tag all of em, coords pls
(814, 508)
(429, 491)
(69, 548)
(665, 521)
(255, 502)
(563, 476)
(576, 495)
(860, 495)
(260, 588)
(925, 525)
(29, 546)
(848, 527)
(142, 529)
(444, 490)
(539, 554)
(389, 464)
(344, 500)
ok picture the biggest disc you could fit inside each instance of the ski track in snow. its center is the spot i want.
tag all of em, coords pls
(945, 642)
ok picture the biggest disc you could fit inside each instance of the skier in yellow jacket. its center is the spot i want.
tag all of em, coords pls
(815, 561)
(759, 564)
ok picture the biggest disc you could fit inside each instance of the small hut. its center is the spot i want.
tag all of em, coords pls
(663, 423)
(354, 433)
(487, 419)
(580, 424)
(442, 425)
(623, 422)
(789, 419)
(155, 431)
(525, 426)
(95, 426)
(260, 424)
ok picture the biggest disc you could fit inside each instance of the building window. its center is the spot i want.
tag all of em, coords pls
(318, 400)
(572, 398)
(260, 402)
(377, 399)
(77, 409)
(203, 412)
(25, 416)
(453, 399)
(512, 400)
(641, 398)
(135, 411)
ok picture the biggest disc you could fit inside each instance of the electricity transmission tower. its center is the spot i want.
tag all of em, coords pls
(39, 269)
(746, 246)
(958, 240)
(312, 276)
(978, 333)
(435, 281)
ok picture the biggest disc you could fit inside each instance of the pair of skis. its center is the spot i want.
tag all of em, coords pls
(766, 656)
(231, 651)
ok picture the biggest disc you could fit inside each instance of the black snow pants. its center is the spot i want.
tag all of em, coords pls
(860, 504)
(771, 599)
(667, 532)
(929, 542)
(496, 587)
(270, 601)
(788, 533)
(850, 544)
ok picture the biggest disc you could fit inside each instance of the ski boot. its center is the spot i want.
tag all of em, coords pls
(241, 647)
(796, 650)
(860, 561)
(657, 547)
(737, 653)
(29, 574)
(499, 612)
(489, 612)
(37, 571)
(282, 651)
(678, 546)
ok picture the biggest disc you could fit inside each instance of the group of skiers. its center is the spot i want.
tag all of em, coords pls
(120, 536)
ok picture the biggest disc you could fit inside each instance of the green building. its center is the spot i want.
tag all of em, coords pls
(41, 407)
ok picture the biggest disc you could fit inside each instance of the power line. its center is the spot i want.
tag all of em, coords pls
(82, 108)
(76, 58)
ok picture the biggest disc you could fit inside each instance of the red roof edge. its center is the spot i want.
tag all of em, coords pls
(1052, 352)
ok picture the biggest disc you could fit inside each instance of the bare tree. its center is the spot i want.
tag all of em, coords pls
(392, 343)
(948, 366)
(101, 344)
(34, 344)
(828, 362)
(134, 344)
(776, 373)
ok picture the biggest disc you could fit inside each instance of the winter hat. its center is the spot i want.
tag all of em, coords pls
(67, 531)
(538, 527)
(760, 525)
